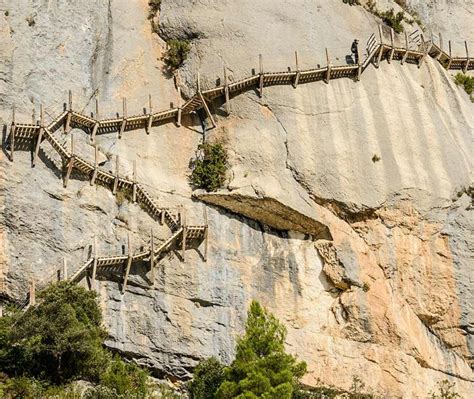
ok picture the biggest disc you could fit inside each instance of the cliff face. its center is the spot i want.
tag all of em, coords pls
(348, 210)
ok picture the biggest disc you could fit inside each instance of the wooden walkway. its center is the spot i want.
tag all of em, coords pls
(415, 51)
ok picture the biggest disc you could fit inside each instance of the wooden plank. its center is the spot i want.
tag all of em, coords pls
(40, 135)
(206, 108)
(448, 65)
(116, 180)
(178, 121)
(94, 131)
(67, 126)
(124, 119)
(226, 92)
(150, 115)
(440, 47)
(129, 264)
(424, 51)
(206, 235)
(260, 85)
(96, 165)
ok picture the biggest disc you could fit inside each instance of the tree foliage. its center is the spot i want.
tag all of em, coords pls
(467, 82)
(208, 376)
(261, 368)
(210, 167)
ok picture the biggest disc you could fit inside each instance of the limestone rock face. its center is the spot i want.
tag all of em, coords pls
(348, 206)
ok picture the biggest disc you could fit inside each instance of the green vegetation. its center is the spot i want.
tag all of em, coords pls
(177, 53)
(393, 19)
(261, 368)
(446, 390)
(467, 82)
(152, 13)
(58, 341)
(352, 2)
(210, 167)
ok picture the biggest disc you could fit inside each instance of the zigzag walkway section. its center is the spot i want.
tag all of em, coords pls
(415, 51)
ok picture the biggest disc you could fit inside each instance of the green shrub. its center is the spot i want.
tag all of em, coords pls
(210, 167)
(125, 378)
(261, 367)
(177, 53)
(446, 390)
(393, 19)
(208, 376)
(467, 82)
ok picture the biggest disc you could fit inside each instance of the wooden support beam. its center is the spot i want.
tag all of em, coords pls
(184, 226)
(226, 92)
(70, 163)
(359, 64)
(466, 67)
(134, 188)
(448, 65)
(97, 109)
(94, 131)
(65, 274)
(208, 112)
(328, 72)
(129, 264)
(94, 264)
(178, 121)
(32, 298)
(150, 115)
(96, 165)
(206, 235)
(116, 180)
(12, 134)
(379, 56)
(298, 73)
(67, 126)
(392, 44)
(261, 80)
(152, 257)
(40, 135)
(406, 48)
(124, 119)
(440, 46)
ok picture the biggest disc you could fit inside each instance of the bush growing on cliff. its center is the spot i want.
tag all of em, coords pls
(209, 167)
(208, 376)
(60, 340)
(177, 53)
(467, 82)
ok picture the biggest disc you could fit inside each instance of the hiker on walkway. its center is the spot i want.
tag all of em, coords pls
(354, 49)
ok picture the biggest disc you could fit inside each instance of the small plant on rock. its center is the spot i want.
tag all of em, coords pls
(467, 82)
(209, 167)
(177, 53)
(446, 390)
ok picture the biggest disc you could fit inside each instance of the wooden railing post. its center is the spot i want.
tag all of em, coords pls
(328, 62)
(124, 119)
(392, 43)
(180, 111)
(150, 115)
(262, 76)
(116, 180)
(96, 165)
(206, 234)
(297, 76)
(134, 188)
(12, 134)
(226, 92)
(406, 49)
(129, 264)
(97, 123)
(184, 226)
(440, 46)
(152, 257)
(424, 51)
(379, 56)
(32, 299)
(70, 162)
(448, 65)
(94, 264)
(67, 127)
(40, 135)
(467, 58)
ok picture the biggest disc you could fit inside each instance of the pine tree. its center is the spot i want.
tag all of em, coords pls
(261, 368)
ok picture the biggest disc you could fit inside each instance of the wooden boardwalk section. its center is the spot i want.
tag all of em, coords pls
(415, 51)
